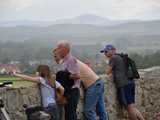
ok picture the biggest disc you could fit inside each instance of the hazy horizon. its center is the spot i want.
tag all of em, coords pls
(51, 10)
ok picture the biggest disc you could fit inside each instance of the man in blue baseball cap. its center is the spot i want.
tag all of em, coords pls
(108, 48)
(125, 87)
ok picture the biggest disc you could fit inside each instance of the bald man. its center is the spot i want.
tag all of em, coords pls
(69, 63)
(94, 86)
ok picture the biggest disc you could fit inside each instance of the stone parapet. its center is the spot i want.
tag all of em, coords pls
(147, 97)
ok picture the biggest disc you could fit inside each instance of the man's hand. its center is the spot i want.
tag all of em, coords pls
(109, 70)
(13, 72)
(109, 77)
(75, 76)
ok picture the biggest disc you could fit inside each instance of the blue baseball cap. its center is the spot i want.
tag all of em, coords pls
(107, 48)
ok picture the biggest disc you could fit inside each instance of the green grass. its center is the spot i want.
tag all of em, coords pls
(17, 82)
(9, 78)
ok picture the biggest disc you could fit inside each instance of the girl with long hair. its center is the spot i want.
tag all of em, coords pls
(48, 87)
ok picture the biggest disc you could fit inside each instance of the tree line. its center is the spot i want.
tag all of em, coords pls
(30, 51)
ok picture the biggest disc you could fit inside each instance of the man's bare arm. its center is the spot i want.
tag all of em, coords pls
(109, 71)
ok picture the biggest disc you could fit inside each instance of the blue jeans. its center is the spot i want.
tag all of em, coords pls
(94, 102)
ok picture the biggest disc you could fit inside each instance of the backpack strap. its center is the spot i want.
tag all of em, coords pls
(40, 94)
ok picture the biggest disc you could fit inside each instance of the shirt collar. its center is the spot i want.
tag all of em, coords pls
(65, 58)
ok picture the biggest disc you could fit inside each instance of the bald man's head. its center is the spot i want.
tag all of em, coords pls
(63, 48)
(64, 44)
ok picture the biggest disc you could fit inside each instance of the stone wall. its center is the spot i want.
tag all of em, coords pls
(147, 97)
(15, 98)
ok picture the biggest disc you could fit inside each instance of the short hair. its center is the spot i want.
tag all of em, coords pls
(65, 44)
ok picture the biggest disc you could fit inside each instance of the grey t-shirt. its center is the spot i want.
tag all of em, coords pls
(118, 71)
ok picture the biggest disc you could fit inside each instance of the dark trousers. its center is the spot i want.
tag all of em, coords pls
(52, 109)
(71, 106)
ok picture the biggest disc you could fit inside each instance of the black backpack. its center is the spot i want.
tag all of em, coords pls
(63, 77)
(130, 65)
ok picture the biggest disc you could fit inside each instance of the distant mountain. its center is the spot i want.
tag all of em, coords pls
(137, 28)
(135, 35)
(91, 20)
(25, 23)
(82, 19)
(74, 31)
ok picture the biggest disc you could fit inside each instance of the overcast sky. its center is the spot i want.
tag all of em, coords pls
(57, 9)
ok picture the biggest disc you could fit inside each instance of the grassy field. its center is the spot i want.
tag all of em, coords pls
(17, 82)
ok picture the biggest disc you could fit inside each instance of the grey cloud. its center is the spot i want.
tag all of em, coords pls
(56, 9)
